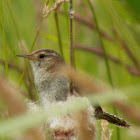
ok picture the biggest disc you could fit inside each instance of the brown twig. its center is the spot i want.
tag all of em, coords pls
(11, 65)
(90, 25)
(127, 50)
(71, 14)
(108, 37)
(110, 57)
(71, 33)
(91, 87)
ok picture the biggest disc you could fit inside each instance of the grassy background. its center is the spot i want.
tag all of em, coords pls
(20, 18)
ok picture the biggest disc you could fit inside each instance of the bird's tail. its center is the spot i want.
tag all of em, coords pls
(100, 114)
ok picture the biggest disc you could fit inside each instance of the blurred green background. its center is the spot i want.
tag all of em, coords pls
(118, 19)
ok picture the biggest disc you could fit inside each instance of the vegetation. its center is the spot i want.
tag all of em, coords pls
(98, 37)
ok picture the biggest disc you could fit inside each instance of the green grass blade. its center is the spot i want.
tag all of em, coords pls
(101, 41)
(4, 37)
(105, 58)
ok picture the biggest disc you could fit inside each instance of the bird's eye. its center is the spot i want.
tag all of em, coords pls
(41, 56)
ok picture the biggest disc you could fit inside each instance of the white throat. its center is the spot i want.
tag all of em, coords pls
(51, 87)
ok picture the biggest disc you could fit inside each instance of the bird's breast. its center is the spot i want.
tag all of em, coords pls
(53, 88)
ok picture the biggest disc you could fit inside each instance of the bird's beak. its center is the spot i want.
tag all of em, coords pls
(28, 56)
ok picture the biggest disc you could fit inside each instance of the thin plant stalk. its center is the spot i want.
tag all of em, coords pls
(127, 50)
(71, 42)
(45, 15)
(102, 44)
(58, 33)
(99, 52)
(71, 35)
(37, 32)
(89, 24)
(66, 18)
(19, 39)
(105, 58)
(125, 35)
(4, 38)
(13, 20)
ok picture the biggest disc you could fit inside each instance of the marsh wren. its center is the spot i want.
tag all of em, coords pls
(53, 85)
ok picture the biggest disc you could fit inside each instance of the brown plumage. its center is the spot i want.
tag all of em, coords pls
(53, 87)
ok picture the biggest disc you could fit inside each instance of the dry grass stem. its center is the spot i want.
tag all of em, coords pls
(129, 111)
(84, 83)
(28, 74)
(11, 98)
(108, 37)
(86, 131)
(90, 87)
(99, 52)
(58, 33)
(23, 46)
(24, 93)
(45, 14)
(57, 4)
(135, 132)
(16, 106)
(38, 7)
(106, 132)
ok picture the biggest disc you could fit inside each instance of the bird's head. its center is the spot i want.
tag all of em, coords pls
(44, 59)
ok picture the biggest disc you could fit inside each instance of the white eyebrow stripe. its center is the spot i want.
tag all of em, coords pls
(54, 54)
(48, 58)
(45, 54)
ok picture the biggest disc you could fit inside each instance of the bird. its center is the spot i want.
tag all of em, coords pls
(53, 86)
